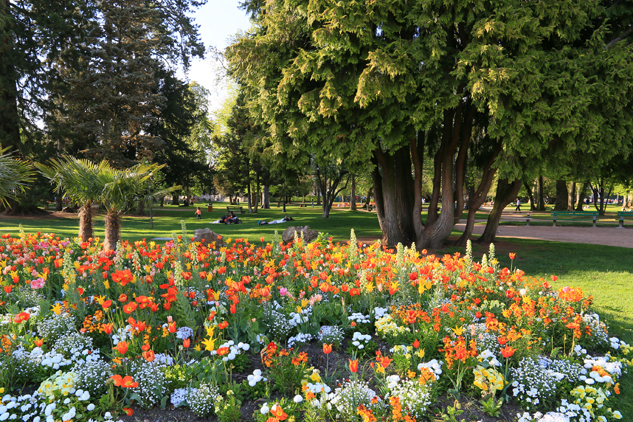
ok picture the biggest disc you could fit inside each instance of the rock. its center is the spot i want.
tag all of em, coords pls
(208, 235)
(69, 210)
(308, 235)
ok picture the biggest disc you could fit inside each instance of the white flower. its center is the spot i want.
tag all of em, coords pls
(90, 407)
(265, 409)
(298, 398)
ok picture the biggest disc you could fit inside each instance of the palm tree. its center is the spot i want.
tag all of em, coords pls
(78, 180)
(15, 174)
(88, 183)
(119, 187)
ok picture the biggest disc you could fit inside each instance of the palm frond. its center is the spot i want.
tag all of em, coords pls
(15, 175)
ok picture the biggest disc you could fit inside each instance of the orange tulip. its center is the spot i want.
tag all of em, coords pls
(122, 297)
(507, 351)
(172, 327)
(353, 365)
(39, 342)
(128, 411)
(327, 348)
(121, 347)
(384, 361)
(107, 328)
(149, 355)
(186, 343)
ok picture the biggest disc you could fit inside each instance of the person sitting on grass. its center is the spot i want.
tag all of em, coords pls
(283, 220)
(232, 219)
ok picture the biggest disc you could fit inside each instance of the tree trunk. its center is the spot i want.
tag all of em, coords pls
(530, 195)
(176, 199)
(352, 202)
(580, 198)
(541, 197)
(570, 196)
(162, 201)
(393, 190)
(140, 207)
(506, 192)
(112, 230)
(318, 194)
(266, 202)
(256, 206)
(85, 222)
(561, 196)
(59, 202)
(478, 197)
(284, 195)
(9, 113)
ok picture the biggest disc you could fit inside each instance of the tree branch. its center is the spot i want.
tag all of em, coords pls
(620, 38)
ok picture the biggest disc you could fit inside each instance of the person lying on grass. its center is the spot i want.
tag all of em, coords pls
(228, 219)
(283, 220)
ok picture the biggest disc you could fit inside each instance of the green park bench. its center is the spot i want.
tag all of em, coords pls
(574, 216)
(241, 210)
(624, 215)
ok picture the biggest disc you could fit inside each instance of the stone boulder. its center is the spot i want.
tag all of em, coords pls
(208, 235)
(308, 235)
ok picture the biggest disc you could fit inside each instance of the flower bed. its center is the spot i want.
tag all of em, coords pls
(292, 332)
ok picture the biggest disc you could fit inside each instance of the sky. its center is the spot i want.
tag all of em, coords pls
(218, 20)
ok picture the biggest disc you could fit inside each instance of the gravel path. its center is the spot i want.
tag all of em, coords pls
(610, 236)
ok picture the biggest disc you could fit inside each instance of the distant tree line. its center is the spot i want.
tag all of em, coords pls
(96, 79)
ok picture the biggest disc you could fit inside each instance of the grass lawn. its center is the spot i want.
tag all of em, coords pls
(605, 272)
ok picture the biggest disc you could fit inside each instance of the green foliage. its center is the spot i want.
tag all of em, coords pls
(15, 174)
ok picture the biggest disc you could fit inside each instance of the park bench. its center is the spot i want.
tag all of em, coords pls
(574, 216)
(527, 218)
(229, 210)
(622, 215)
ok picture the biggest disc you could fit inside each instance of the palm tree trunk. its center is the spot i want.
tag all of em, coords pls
(112, 230)
(85, 222)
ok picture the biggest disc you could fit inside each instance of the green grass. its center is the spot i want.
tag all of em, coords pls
(168, 220)
(605, 272)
